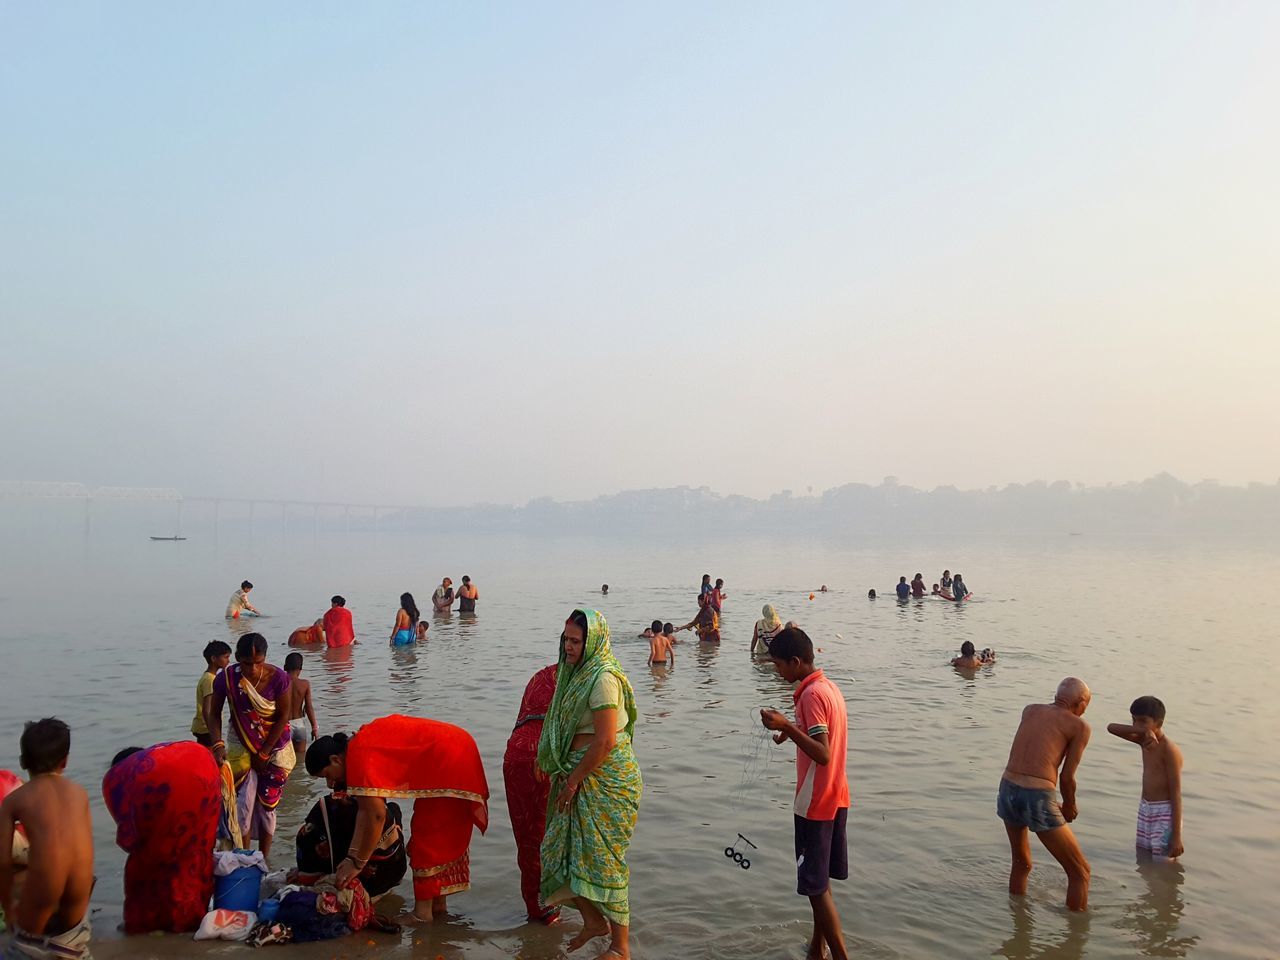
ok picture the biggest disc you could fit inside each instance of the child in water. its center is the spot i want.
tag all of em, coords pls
(661, 648)
(971, 659)
(1160, 809)
(217, 654)
(299, 704)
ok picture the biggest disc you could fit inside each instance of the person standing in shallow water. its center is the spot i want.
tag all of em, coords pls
(528, 790)
(586, 750)
(467, 596)
(1051, 735)
(405, 629)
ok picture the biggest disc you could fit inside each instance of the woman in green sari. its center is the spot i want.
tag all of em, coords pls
(595, 790)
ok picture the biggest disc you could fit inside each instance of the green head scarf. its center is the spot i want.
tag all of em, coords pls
(573, 695)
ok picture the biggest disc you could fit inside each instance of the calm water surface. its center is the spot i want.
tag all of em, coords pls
(108, 636)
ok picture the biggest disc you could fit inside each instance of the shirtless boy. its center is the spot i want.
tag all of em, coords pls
(968, 658)
(651, 631)
(1160, 809)
(51, 917)
(661, 648)
(299, 703)
(1051, 735)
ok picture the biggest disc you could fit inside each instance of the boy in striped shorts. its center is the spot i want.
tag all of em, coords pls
(1160, 809)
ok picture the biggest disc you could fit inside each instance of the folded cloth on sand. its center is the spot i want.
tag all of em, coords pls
(226, 925)
(72, 945)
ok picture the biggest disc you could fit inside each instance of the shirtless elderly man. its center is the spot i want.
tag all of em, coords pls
(51, 916)
(1051, 735)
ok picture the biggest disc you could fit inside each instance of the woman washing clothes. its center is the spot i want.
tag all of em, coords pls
(435, 764)
(595, 784)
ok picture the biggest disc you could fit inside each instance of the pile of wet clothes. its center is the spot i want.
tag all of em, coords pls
(320, 912)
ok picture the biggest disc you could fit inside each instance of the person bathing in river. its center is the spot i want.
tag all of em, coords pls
(301, 712)
(467, 596)
(51, 916)
(707, 621)
(718, 597)
(917, 586)
(339, 629)
(970, 658)
(661, 649)
(958, 590)
(239, 602)
(406, 626)
(1050, 736)
(654, 629)
(306, 636)
(442, 599)
(1160, 809)
(767, 627)
(903, 588)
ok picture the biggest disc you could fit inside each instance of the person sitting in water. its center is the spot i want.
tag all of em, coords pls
(467, 596)
(938, 591)
(968, 658)
(423, 626)
(51, 915)
(442, 599)
(945, 582)
(903, 588)
(871, 594)
(917, 586)
(339, 630)
(653, 630)
(305, 636)
(718, 596)
(604, 589)
(958, 590)
(239, 602)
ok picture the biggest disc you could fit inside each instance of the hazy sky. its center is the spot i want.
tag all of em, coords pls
(457, 252)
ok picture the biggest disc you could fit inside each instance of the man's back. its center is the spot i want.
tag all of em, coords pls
(59, 876)
(1040, 745)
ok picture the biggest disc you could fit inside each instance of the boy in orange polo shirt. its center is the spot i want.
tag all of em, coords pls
(820, 734)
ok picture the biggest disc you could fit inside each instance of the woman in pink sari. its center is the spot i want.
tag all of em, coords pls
(260, 753)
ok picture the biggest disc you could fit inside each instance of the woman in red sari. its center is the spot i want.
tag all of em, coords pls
(166, 801)
(435, 764)
(527, 792)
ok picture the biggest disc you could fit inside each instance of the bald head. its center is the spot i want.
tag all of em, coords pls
(1073, 692)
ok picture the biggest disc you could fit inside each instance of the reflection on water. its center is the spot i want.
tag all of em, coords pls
(1154, 917)
(1064, 937)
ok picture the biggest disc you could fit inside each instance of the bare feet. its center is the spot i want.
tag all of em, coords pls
(589, 932)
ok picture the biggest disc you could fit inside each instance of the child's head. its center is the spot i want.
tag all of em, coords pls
(604, 588)
(338, 601)
(246, 586)
(293, 663)
(902, 579)
(656, 626)
(1148, 709)
(871, 594)
(967, 649)
(217, 654)
(44, 746)
(423, 626)
(668, 629)
(719, 583)
(792, 653)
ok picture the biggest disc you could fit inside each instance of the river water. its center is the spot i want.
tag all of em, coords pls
(106, 633)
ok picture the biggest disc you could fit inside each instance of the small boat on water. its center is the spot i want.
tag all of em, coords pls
(168, 538)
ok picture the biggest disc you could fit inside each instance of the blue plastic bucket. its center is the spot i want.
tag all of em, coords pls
(238, 890)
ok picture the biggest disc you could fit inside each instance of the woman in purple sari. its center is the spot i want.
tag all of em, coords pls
(261, 753)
